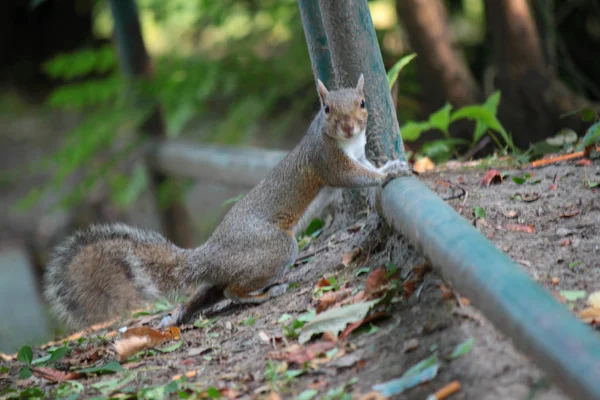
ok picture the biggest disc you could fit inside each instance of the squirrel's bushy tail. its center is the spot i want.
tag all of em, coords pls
(103, 271)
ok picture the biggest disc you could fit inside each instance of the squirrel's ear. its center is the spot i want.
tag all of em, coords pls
(361, 83)
(323, 92)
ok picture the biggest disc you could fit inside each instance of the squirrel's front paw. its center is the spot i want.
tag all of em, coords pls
(396, 168)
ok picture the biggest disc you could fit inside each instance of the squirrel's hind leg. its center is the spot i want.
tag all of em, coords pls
(242, 295)
(206, 296)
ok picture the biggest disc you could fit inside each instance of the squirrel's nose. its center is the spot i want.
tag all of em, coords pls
(348, 128)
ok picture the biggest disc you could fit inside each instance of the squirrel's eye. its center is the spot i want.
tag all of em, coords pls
(326, 109)
(362, 104)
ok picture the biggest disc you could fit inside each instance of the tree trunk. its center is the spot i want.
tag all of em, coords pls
(442, 69)
(532, 98)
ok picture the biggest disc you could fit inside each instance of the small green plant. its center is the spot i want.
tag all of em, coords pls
(526, 178)
(249, 321)
(292, 330)
(278, 375)
(485, 119)
(479, 212)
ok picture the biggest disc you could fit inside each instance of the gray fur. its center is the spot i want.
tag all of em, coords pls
(104, 270)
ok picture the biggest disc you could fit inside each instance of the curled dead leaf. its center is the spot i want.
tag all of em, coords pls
(594, 299)
(330, 299)
(570, 213)
(54, 375)
(510, 214)
(424, 164)
(530, 197)
(369, 318)
(520, 228)
(590, 315)
(125, 348)
(189, 374)
(347, 258)
(492, 176)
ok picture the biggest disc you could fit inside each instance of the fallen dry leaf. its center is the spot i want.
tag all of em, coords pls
(424, 164)
(510, 214)
(465, 301)
(446, 292)
(594, 299)
(565, 242)
(264, 337)
(323, 282)
(492, 176)
(377, 280)
(520, 228)
(125, 348)
(347, 258)
(555, 281)
(590, 315)
(329, 336)
(273, 396)
(229, 393)
(554, 186)
(410, 345)
(189, 374)
(54, 375)
(310, 352)
(330, 299)
(354, 326)
(446, 391)
(530, 197)
(584, 163)
(373, 396)
(570, 213)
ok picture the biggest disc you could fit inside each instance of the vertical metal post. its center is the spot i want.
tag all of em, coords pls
(316, 40)
(354, 50)
(135, 62)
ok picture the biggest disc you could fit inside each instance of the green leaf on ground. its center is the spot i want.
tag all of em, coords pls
(462, 348)
(573, 295)
(112, 366)
(335, 319)
(25, 355)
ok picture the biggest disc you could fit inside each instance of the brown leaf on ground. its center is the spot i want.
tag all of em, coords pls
(510, 214)
(492, 176)
(330, 299)
(555, 281)
(377, 280)
(154, 336)
(520, 228)
(373, 396)
(189, 374)
(530, 197)
(54, 375)
(323, 282)
(369, 318)
(446, 292)
(446, 391)
(229, 393)
(298, 354)
(273, 396)
(410, 345)
(329, 336)
(125, 348)
(594, 299)
(584, 163)
(570, 213)
(88, 357)
(347, 258)
(423, 165)
(590, 315)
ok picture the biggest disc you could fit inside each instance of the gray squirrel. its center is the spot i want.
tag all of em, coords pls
(106, 270)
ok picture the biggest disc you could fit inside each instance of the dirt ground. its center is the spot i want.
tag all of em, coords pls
(240, 352)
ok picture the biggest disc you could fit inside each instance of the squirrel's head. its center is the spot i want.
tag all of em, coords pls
(345, 112)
